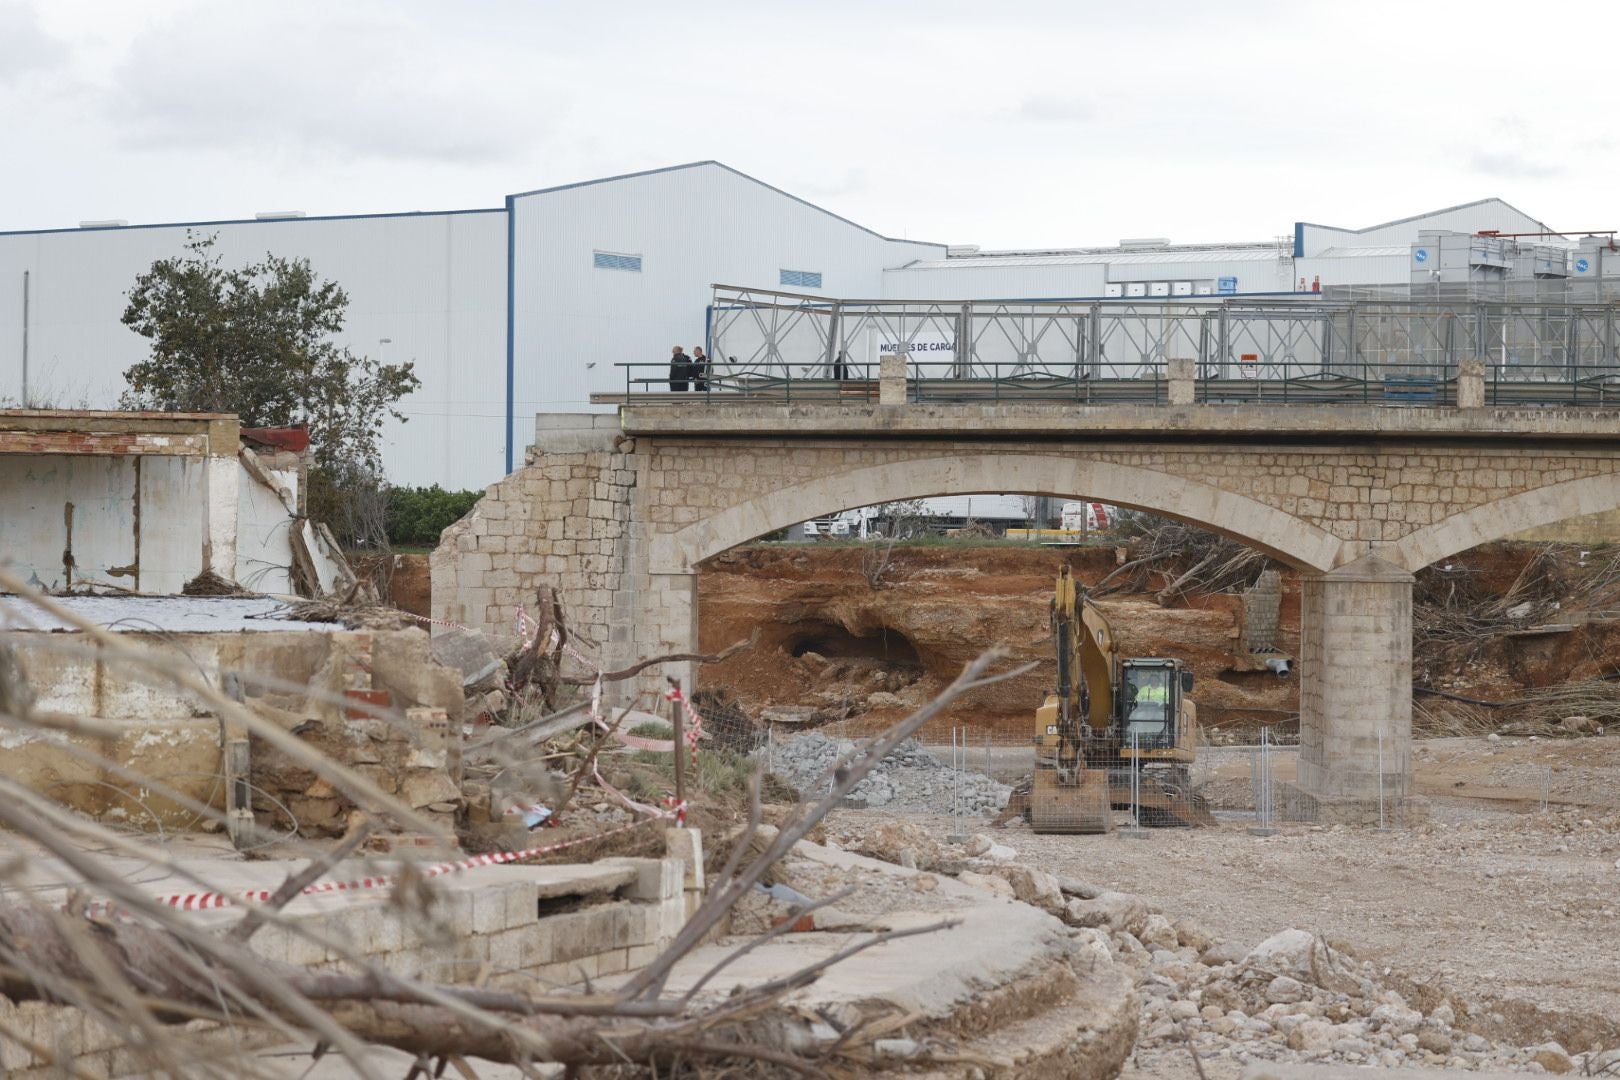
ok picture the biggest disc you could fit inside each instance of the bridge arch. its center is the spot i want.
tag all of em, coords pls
(1285, 537)
(1502, 518)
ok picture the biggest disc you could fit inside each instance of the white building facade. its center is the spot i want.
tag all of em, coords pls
(528, 306)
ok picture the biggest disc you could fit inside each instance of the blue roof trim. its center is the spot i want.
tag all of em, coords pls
(252, 221)
(735, 172)
(511, 296)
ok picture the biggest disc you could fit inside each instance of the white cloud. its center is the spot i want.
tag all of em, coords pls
(25, 47)
(312, 81)
(1039, 122)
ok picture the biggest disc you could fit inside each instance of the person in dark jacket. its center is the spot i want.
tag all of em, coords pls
(680, 369)
(700, 368)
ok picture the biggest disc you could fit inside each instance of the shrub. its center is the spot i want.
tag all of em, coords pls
(417, 515)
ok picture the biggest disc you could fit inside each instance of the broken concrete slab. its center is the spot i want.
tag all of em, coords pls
(1007, 980)
(471, 652)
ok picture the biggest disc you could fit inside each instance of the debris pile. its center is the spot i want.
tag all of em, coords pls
(911, 778)
(1293, 998)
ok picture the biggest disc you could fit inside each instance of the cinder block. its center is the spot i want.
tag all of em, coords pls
(687, 846)
(387, 932)
(522, 904)
(538, 945)
(671, 917)
(489, 910)
(583, 933)
(655, 878)
(612, 963)
(506, 950)
(639, 956)
(455, 908)
(652, 919)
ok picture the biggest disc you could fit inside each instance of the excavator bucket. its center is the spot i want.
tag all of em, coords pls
(1080, 807)
(1161, 806)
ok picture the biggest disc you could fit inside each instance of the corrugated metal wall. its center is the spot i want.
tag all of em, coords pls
(433, 284)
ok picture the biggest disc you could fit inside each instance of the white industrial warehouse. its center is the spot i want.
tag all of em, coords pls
(526, 307)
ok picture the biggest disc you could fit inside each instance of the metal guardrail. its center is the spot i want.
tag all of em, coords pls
(779, 346)
(1381, 384)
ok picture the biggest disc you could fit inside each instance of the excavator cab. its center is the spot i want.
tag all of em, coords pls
(1153, 705)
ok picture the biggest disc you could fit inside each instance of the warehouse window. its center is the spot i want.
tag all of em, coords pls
(802, 279)
(607, 260)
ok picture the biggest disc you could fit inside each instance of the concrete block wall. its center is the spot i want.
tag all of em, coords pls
(1262, 613)
(493, 931)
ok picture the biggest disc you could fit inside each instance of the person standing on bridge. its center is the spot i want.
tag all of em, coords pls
(680, 369)
(700, 369)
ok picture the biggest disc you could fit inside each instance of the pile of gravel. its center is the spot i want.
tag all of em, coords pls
(910, 778)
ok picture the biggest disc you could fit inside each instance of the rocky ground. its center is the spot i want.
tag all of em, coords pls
(1400, 950)
(912, 778)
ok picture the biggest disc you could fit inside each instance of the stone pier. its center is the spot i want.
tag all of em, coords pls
(1355, 703)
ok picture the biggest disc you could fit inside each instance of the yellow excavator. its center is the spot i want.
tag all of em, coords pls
(1118, 733)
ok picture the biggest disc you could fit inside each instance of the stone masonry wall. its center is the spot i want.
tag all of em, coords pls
(1356, 494)
(564, 520)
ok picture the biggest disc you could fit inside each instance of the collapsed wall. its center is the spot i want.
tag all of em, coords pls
(374, 701)
(566, 520)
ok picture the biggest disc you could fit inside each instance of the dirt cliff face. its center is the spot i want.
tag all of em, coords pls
(833, 642)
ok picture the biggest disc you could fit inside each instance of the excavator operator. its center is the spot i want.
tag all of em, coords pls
(1147, 709)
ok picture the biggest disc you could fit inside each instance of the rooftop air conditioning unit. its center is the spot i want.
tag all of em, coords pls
(961, 251)
(106, 223)
(1144, 243)
(278, 215)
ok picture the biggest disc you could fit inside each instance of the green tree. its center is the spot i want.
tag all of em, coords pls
(258, 341)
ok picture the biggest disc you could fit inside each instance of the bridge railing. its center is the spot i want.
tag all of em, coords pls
(1283, 349)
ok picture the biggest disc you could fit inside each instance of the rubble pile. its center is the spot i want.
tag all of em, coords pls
(910, 778)
(1292, 998)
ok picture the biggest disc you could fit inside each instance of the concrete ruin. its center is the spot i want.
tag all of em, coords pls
(147, 502)
(373, 701)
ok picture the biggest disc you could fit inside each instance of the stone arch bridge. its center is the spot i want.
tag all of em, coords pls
(617, 511)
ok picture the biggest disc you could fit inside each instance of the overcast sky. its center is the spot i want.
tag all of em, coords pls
(1006, 125)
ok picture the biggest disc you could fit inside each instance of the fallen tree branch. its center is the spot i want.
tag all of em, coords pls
(650, 981)
(669, 658)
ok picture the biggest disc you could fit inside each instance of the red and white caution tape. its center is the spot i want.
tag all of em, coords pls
(209, 901)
